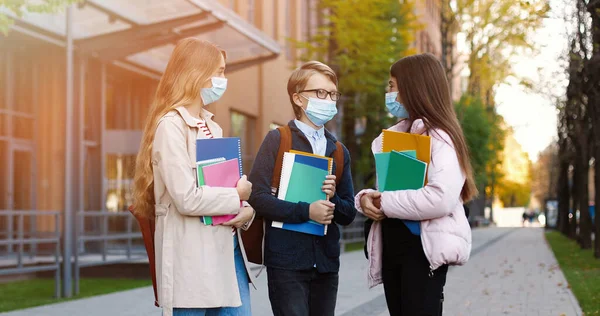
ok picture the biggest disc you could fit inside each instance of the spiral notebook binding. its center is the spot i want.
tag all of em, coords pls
(240, 156)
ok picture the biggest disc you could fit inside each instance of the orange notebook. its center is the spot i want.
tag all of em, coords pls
(400, 141)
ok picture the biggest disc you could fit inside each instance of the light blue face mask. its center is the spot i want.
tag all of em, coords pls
(214, 93)
(320, 111)
(394, 107)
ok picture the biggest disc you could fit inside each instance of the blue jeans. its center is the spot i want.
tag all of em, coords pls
(242, 279)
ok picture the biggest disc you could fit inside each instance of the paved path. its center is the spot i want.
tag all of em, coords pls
(511, 272)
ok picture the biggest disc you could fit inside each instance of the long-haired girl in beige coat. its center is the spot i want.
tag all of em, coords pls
(200, 269)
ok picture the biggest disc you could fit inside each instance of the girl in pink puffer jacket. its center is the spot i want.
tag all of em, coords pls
(416, 234)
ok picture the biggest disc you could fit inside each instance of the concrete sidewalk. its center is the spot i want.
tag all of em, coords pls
(511, 272)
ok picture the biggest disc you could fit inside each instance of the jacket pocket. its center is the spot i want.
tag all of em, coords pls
(161, 209)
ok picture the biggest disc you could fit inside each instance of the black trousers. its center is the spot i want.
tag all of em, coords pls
(411, 288)
(302, 293)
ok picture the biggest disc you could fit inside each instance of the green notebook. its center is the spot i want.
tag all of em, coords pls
(306, 183)
(409, 153)
(399, 171)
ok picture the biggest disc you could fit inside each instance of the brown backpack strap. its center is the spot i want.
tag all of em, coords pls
(285, 145)
(338, 158)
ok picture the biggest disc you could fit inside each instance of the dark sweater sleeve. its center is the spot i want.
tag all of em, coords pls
(343, 199)
(261, 199)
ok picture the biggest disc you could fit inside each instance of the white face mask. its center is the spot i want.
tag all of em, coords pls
(214, 93)
(320, 111)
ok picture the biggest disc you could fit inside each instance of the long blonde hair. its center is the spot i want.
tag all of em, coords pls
(192, 63)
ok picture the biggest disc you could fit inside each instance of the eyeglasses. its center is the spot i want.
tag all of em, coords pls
(322, 94)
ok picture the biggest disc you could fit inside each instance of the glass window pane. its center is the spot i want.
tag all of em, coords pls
(243, 126)
(4, 124)
(22, 85)
(119, 173)
(128, 98)
(3, 77)
(23, 127)
(22, 177)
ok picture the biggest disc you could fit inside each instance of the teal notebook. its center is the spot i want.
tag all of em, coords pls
(382, 163)
(401, 171)
(302, 180)
(306, 182)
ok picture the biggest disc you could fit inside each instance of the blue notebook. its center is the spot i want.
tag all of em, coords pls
(226, 147)
(215, 148)
(301, 181)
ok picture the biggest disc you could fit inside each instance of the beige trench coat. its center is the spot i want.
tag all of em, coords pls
(195, 265)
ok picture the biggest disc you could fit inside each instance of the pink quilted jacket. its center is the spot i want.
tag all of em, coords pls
(445, 230)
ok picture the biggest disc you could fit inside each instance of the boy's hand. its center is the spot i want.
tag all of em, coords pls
(329, 186)
(321, 212)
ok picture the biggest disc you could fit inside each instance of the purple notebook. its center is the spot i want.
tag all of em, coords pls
(222, 175)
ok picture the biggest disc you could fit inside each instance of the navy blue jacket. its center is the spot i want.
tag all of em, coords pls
(292, 250)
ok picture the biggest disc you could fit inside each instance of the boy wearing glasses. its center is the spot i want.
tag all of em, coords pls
(302, 269)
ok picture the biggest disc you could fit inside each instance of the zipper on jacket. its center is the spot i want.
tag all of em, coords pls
(431, 274)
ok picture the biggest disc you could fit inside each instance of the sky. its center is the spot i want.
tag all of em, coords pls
(533, 116)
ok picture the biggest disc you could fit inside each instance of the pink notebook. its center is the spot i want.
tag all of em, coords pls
(222, 175)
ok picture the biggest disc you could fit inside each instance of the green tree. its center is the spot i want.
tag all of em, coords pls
(485, 138)
(21, 7)
(495, 31)
(593, 70)
(477, 128)
(360, 42)
(514, 194)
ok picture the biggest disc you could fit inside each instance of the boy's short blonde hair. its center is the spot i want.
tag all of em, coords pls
(299, 78)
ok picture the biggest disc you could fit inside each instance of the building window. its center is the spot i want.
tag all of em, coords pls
(244, 126)
(128, 98)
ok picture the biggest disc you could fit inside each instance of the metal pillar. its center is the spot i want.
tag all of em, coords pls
(79, 221)
(67, 289)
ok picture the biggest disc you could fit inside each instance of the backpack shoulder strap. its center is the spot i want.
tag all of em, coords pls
(285, 145)
(338, 158)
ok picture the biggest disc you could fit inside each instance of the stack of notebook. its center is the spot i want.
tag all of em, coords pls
(218, 164)
(402, 165)
(302, 177)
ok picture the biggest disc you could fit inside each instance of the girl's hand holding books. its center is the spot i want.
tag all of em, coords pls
(243, 217)
(244, 188)
(371, 206)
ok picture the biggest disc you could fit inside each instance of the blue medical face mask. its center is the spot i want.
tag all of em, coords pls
(394, 107)
(214, 93)
(320, 111)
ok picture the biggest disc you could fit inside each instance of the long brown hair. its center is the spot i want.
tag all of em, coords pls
(192, 64)
(424, 91)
